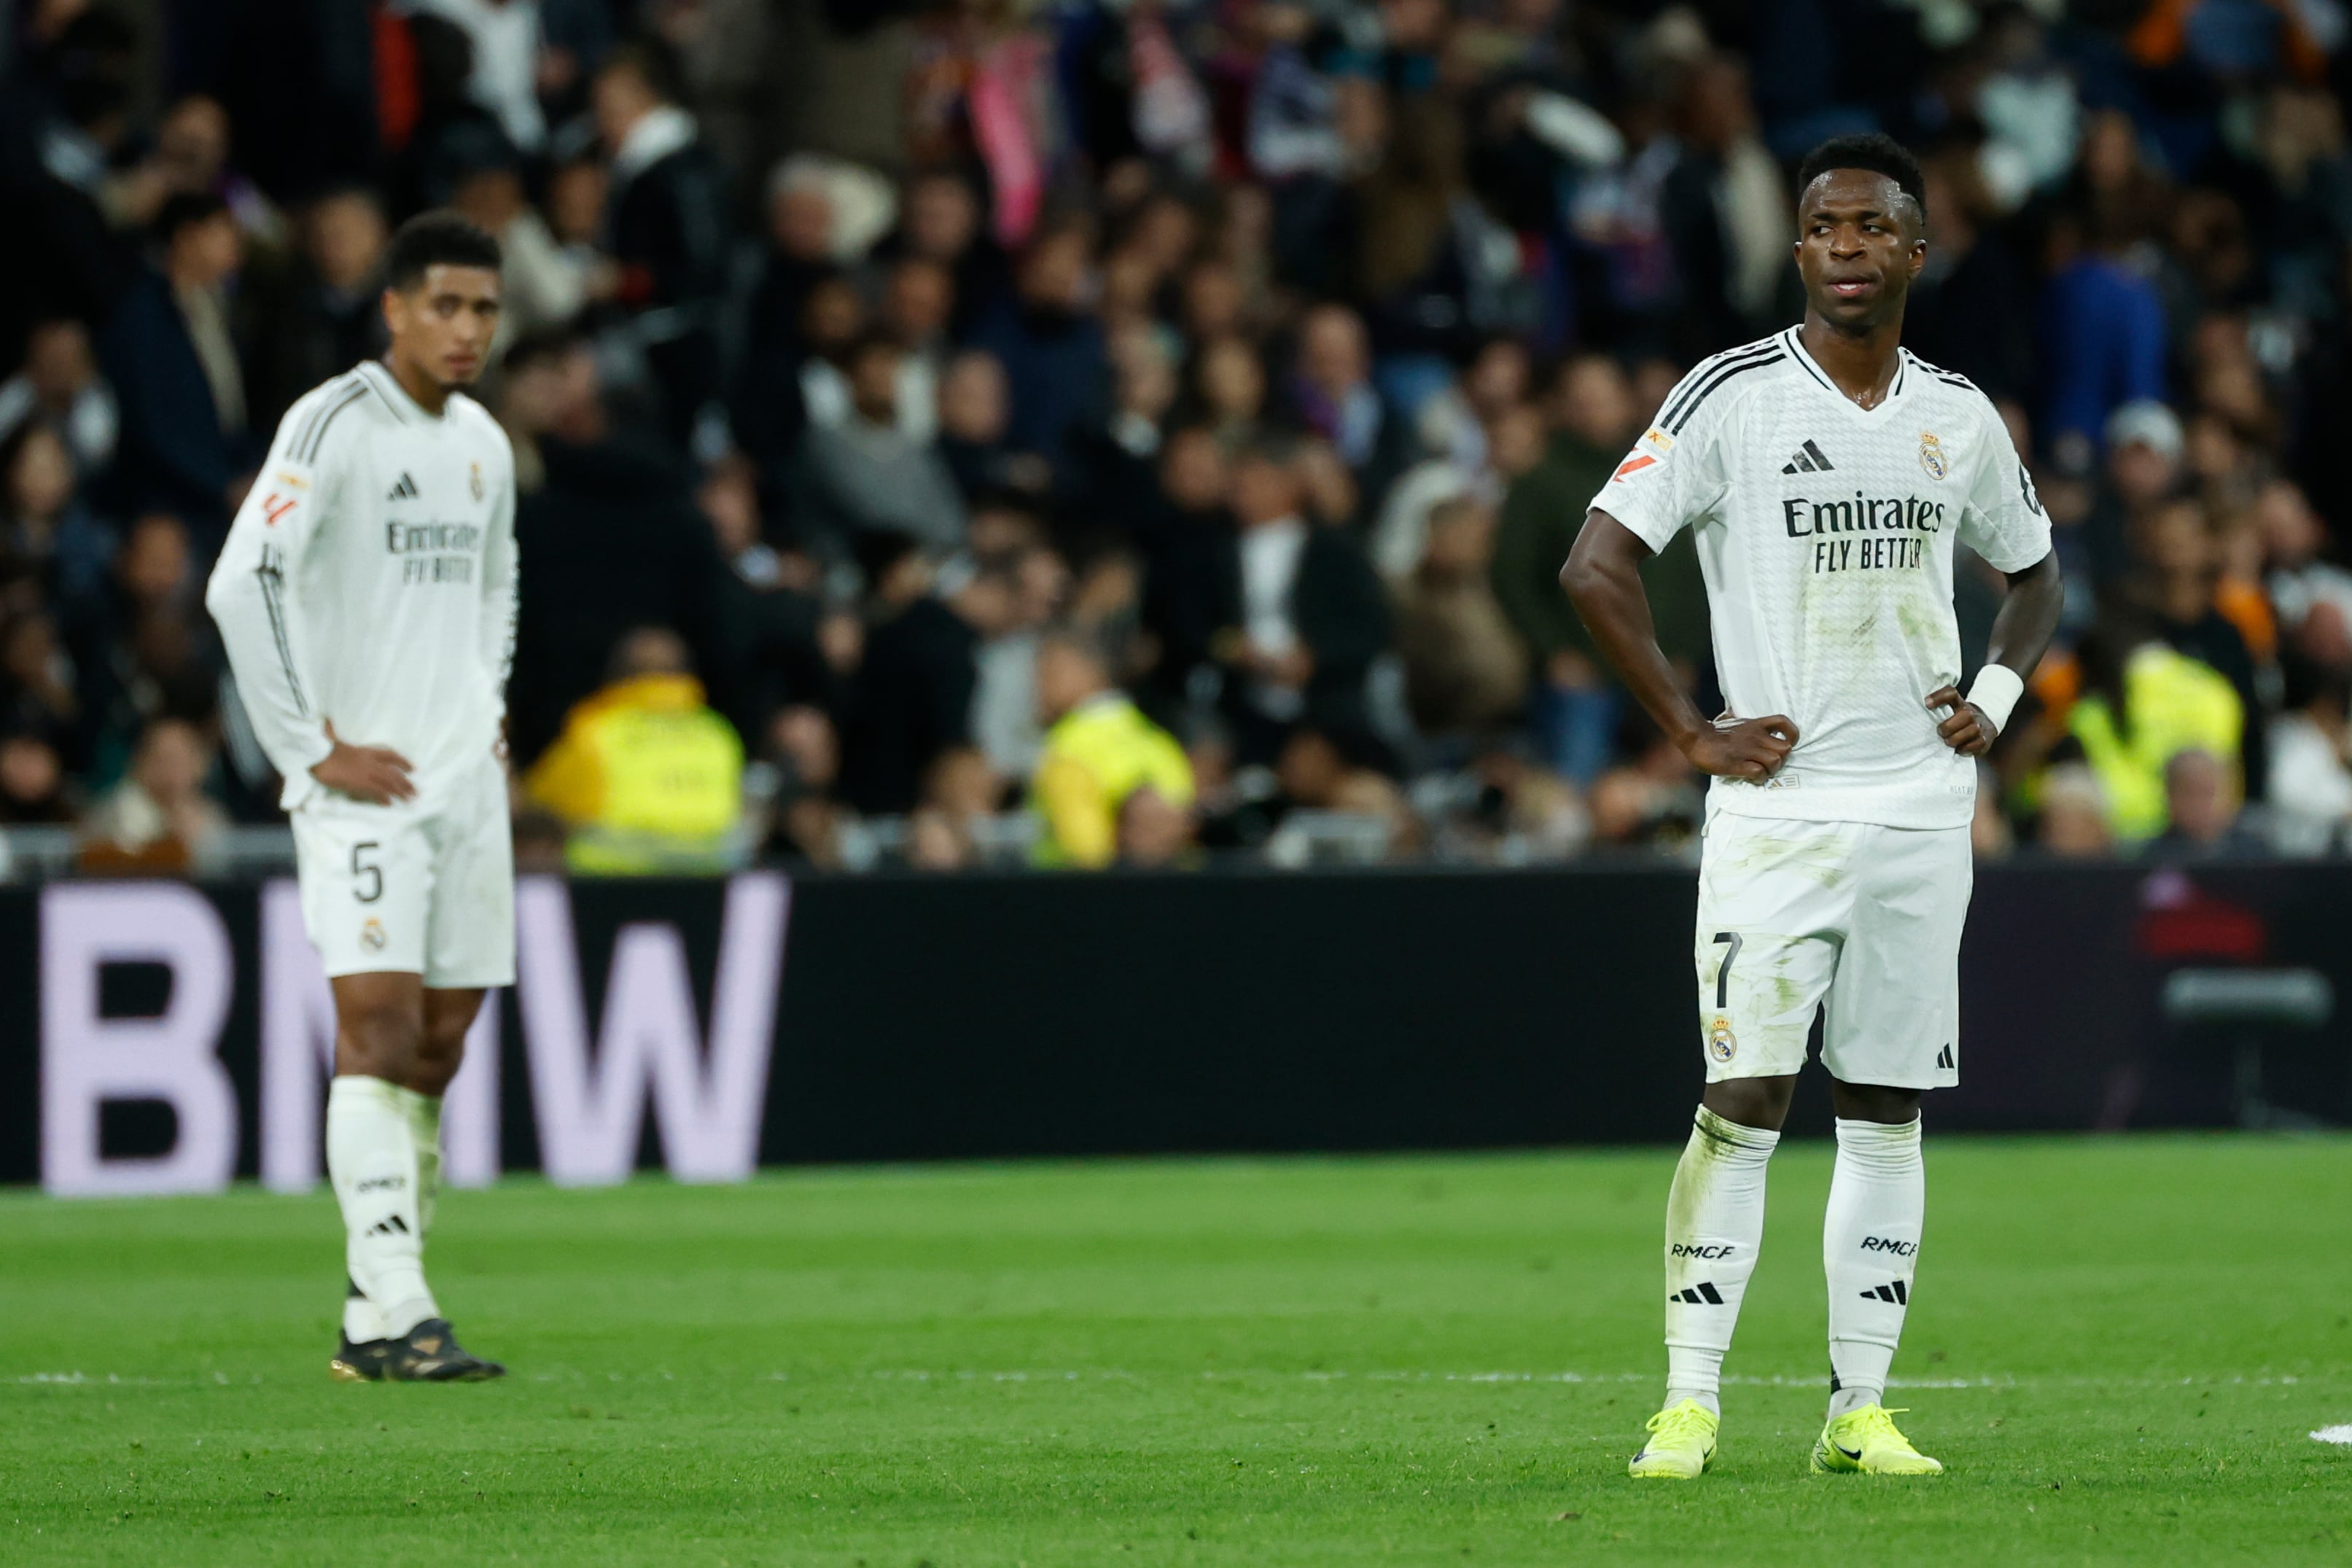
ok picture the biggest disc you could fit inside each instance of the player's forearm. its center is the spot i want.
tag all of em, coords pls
(2028, 618)
(1604, 580)
(260, 635)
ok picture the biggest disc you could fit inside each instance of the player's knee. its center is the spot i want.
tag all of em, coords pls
(1872, 1103)
(380, 1041)
(1751, 1102)
(440, 1052)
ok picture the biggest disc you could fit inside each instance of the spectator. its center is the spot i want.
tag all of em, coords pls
(647, 776)
(34, 789)
(2074, 815)
(917, 301)
(669, 223)
(329, 315)
(547, 285)
(1486, 472)
(1465, 670)
(1303, 613)
(50, 542)
(2103, 328)
(2200, 802)
(614, 543)
(506, 43)
(159, 819)
(2312, 596)
(1332, 394)
(868, 474)
(2181, 563)
(2311, 764)
(913, 697)
(2143, 704)
(806, 819)
(2146, 467)
(975, 415)
(173, 364)
(1101, 754)
(1051, 347)
(61, 384)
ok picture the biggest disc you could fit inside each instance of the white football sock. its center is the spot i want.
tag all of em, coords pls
(361, 1320)
(425, 1123)
(371, 1158)
(1715, 1226)
(1870, 1249)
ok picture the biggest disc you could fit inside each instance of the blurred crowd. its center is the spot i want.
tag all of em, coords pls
(1078, 431)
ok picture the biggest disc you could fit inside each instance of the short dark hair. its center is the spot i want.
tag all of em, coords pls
(650, 63)
(1875, 151)
(438, 238)
(185, 210)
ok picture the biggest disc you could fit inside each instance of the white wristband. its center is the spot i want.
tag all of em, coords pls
(1995, 693)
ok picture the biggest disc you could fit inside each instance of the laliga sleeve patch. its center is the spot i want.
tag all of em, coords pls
(1648, 453)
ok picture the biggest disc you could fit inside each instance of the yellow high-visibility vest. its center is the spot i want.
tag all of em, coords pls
(1098, 754)
(2177, 704)
(648, 777)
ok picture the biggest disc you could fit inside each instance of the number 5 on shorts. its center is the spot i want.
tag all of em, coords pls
(367, 877)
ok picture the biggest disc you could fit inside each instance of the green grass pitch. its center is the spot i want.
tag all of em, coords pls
(2120, 1347)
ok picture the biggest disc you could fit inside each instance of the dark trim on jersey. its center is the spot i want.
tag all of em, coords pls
(307, 452)
(1902, 357)
(375, 384)
(1950, 378)
(1675, 426)
(272, 578)
(1805, 361)
(1696, 385)
(328, 392)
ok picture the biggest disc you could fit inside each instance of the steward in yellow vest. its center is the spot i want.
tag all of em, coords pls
(1099, 756)
(647, 776)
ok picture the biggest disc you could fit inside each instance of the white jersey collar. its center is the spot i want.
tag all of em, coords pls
(407, 408)
(1790, 339)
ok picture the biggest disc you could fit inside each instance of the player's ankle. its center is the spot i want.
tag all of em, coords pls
(1708, 1399)
(1846, 1399)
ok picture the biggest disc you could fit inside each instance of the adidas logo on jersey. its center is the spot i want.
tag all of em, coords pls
(1809, 460)
(1944, 1060)
(404, 491)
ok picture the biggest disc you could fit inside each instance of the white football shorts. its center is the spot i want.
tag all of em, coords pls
(1864, 918)
(423, 887)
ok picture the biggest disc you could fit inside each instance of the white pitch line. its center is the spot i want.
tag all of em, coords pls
(2335, 1434)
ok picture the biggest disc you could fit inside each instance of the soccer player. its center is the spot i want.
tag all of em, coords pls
(1827, 474)
(366, 596)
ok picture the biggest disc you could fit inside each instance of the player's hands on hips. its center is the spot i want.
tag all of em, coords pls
(1749, 749)
(1968, 731)
(376, 774)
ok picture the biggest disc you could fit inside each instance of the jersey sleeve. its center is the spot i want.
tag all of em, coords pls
(501, 586)
(1668, 481)
(251, 592)
(2003, 520)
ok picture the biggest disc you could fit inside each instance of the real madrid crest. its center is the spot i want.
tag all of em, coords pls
(476, 480)
(1721, 1044)
(372, 934)
(1931, 456)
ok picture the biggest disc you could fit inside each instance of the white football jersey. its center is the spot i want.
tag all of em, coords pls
(1825, 534)
(369, 581)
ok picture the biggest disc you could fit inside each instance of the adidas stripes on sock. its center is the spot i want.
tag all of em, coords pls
(1715, 1226)
(371, 1157)
(1870, 1249)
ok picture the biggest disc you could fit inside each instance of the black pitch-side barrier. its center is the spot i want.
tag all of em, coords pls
(159, 1037)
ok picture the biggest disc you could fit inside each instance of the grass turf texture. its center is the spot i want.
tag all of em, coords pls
(2119, 1347)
